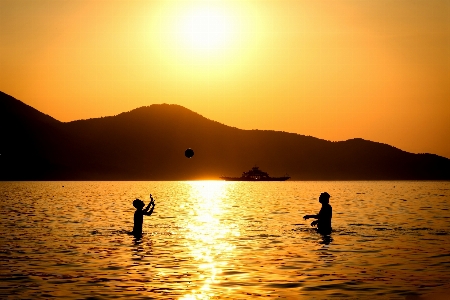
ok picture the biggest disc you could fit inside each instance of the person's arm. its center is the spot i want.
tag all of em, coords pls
(306, 217)
(314, 223)
(318, 217)
(149, 213)
(149, 204)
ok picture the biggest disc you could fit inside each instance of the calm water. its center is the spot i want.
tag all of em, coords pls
(224, 240)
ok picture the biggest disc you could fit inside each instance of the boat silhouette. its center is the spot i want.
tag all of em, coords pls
(255, 174)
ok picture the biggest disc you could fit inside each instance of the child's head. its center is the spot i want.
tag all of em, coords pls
(324, 198)
(138, 204)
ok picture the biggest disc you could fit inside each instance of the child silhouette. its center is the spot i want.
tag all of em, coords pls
(139, 214)
(324, 216)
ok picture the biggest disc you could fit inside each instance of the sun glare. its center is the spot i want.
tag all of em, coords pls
(200, 39)
(205, 29)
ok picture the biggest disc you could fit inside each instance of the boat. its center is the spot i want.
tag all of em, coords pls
(255, 174)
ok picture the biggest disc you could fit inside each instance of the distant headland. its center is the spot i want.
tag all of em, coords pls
(148, 143)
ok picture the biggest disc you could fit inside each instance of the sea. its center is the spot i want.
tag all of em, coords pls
(224, 240)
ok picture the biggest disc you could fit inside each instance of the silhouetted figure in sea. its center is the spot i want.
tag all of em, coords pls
(324, 216)
(139, 214)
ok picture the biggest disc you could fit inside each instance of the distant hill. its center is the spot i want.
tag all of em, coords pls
(148, 143)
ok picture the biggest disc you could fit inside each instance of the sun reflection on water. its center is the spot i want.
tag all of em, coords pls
(224, 240)
(208, 233)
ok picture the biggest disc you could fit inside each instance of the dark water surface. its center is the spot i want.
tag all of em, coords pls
(224, 240)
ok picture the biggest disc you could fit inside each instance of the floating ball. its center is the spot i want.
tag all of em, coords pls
(189, 153)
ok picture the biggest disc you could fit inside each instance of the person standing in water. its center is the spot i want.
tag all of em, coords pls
(324, 216)
(139, 214)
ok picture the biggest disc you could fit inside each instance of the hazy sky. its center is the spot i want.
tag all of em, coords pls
(378, 70)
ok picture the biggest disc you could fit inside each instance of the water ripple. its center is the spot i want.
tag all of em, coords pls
(219, 240)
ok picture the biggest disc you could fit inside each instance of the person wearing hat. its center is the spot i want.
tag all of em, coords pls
(324, 216)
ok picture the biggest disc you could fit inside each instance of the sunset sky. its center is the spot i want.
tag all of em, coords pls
(340, 69)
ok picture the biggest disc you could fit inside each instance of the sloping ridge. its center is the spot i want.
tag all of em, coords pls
(148, 143)
(29, 140)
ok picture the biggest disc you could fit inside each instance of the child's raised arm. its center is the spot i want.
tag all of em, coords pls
(149, 213)
(150, 204)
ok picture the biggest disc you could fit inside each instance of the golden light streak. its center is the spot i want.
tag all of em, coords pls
(208, 234)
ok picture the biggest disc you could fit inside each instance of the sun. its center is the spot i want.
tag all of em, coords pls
(203, 39)
(205, 29)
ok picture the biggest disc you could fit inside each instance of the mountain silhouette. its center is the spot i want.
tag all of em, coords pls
(148, 143)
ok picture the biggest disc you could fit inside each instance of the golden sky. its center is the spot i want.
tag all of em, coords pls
(336, 69)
